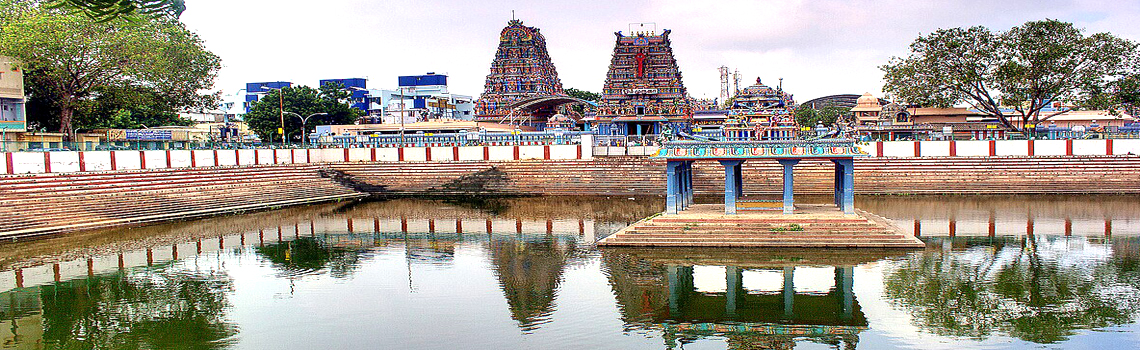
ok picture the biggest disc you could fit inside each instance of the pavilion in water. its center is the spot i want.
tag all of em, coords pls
(680, 155)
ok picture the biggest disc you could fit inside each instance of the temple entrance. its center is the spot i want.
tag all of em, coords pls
(640, 128)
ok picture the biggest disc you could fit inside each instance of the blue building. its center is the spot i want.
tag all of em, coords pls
(419, 98)
(254, 91)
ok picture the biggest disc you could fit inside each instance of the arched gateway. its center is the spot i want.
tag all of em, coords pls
(680, 155)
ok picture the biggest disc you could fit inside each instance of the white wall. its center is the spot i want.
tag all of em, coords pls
(64, 162)
(180, 159)
(1049, 147)
(155, 159)
(470, 153)
(97, 160)
(415, 154)
(502, 152)
(1089, 147)
(125, 160)
(972, 148)
(1122, 146)
(1012, 148)
(28, 162)
(442, 154)
(531, 152)
(246, 157)
(204, 158)
(898, 148)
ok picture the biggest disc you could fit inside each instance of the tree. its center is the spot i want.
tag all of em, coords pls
(76, 59)
(104, 10)
(584, 95)
(1013, 75)
(264, 116)
(827, 115)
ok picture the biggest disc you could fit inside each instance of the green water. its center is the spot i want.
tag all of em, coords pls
(523, 273)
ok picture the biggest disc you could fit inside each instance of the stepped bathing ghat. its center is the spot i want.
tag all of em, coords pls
(739, 223)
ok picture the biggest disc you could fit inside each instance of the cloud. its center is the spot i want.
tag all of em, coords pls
(819, 47)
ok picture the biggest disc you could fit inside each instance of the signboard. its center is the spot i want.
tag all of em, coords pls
(746, 150)
(146, 135)
(640, 91)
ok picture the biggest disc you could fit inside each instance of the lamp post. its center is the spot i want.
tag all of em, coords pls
(305, 120)
(280, 109)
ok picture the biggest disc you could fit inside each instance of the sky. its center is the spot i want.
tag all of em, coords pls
(819, 47)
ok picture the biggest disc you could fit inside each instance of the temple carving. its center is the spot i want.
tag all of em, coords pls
(643, 91)
(521, 70)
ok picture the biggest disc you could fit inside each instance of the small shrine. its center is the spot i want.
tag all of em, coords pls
(643, 92)
(766, 111)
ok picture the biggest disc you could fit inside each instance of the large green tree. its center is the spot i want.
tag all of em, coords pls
(104, 10)
(264, 116)
(75, 60)
(826, 115)
(1013, 75)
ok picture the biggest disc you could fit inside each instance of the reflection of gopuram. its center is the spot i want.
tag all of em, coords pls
(529, 272)
(760, 306)
(522, 69)
(643, 89)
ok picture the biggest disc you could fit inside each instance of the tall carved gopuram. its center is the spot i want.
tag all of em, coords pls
(643, 90)
(521, 70)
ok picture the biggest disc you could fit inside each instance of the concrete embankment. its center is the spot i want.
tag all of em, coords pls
(641, 176)
(39, 204)
(36, 204)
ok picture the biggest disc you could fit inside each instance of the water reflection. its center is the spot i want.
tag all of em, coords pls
(657, 289)
(1038, 289)
(166, 306)
(522, 273)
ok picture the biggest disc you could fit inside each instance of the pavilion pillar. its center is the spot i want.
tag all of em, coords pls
(789, 200)
(680, 284)
(733, 277)
(740, 180)
(789, 291)
(731, 168)
(672, 186)
(844, 285)
(689, 184)
(845, 185)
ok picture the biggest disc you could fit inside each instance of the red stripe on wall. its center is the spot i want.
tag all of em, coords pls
(879, 149)
(486, 153)
(373, 154)
(1108, 147)
(8, 160)
(400, 153)
(193, 160)
(168, 163)
(427, 153)
(1069, 147)
(993, 148)
(516, 152)
(216, 158)
(82, 165)
(113, 165)
(917, 149)
(454, 153)
(346, 154)
(579, 152)
(1031, 150)
(47, 162)
(142, 160)
(953, 148)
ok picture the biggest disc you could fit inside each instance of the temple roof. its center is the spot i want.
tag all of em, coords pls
(867, 103)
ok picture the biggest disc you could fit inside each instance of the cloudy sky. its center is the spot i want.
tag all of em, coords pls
(819, 47)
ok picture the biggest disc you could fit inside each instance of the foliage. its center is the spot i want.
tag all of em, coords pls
(307, 256)
(105, 10)
(827, 115)
(158, 307)
(1024, 69)
(72, 62)
(1023, 291)
(584, 95)
(264, 116)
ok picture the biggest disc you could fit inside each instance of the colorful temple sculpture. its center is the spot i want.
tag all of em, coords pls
(643, 92)
(521, 73)
(760, 112)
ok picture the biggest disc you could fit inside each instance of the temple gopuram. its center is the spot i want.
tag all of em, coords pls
(761, 112)
(643, 90)
(520, 72)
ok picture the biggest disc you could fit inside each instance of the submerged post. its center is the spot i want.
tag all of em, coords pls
(730, 185)
(789, 200)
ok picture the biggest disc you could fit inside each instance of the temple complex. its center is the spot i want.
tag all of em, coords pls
(521, 71)
(643, 90)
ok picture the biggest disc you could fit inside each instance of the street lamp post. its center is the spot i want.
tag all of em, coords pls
(305, 120)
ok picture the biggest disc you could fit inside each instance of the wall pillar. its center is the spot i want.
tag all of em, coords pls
(845, 185)
(731, 167)
(672, 186)
(789, 175)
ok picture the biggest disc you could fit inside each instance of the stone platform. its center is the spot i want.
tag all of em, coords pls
(810, 226)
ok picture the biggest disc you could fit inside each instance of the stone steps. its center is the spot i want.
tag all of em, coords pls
(32, 205)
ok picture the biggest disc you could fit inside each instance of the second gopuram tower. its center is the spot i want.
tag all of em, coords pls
(521, 69)
(643, 91)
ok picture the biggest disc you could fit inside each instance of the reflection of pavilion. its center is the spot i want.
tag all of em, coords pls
(657, 290)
